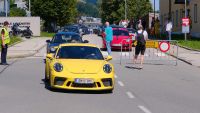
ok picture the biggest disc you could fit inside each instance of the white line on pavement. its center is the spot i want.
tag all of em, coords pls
(130, 95)
(115, 76)
(145, 110)
(121, 83)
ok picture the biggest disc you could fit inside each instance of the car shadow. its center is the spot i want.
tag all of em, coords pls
(47, 86)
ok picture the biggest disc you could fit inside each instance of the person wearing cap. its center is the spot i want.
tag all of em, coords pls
(140, 48)
(5, 40)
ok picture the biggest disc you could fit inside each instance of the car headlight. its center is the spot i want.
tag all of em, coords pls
(58, 67)
(107, 68)
(52, 49)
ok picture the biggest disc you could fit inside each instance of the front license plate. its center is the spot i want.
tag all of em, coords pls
(83, 81)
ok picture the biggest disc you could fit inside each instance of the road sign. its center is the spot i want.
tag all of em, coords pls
(164, 46)
(152, 44)
(149, 44)
(185, 25)
(185, 21)
(185, 29)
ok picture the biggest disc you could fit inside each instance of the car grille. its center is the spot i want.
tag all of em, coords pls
(83, 85)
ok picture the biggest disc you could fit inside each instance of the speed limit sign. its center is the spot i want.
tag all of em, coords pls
(164, 46)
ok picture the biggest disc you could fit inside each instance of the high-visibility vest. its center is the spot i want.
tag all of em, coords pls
(6, 36)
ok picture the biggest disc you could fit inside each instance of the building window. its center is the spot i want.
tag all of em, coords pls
(177, 18)
(195, 14)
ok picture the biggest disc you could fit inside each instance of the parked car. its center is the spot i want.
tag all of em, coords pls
(121, 38)
(63, 37)
(132, 33)
(73, 28)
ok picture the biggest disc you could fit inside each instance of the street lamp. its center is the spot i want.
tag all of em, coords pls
(185, 17)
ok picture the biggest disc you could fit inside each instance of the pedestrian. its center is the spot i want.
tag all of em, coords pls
(141, 37)
(108, 37)
(152, 31)
(169, 29)
(157, 28)
(5, 40)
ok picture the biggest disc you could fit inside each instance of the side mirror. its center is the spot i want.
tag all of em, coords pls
(50, 56)
(108, 58)
(48, 41)
(85, 41)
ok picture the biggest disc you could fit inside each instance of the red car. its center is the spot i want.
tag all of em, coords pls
(121, 38)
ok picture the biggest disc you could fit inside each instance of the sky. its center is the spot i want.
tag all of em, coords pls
(157, 4)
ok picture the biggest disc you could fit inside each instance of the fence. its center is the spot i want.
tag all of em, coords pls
(158, 52)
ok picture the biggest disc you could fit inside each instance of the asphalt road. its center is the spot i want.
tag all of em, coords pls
(154, 89)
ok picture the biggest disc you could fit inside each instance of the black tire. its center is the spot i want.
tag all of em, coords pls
(46, 78)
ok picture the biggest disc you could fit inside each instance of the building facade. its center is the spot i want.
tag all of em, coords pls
(178, 12)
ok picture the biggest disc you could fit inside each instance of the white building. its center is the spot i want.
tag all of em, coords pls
(20, 4)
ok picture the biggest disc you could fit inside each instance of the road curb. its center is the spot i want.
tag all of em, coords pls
(26, 55)
(184, 47)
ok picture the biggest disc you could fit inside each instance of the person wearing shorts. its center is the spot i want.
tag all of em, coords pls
(140, 48)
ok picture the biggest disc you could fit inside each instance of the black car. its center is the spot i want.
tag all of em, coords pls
(63, 37)
(73, 28)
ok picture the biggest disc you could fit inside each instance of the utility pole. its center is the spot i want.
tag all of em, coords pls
(6, 7)
(170, 9)
(185, 16)
(29, 8)
(125, 10)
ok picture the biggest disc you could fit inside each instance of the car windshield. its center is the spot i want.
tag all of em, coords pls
(72, 29)
(120, 33)
(66, 38)
(79, 52)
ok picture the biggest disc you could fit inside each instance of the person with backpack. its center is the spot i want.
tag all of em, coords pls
(140, 48)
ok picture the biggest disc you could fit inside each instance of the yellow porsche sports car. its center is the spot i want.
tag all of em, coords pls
(79, 67)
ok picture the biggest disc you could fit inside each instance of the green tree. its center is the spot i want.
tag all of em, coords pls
(83, 9)
(17, 12)
(54, 12)
(113, 10)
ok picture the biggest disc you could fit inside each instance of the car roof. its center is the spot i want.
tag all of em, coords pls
(66, 33)
(78, 44)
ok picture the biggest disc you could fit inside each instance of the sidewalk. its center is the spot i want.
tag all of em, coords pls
(26, 48)
(189, 56)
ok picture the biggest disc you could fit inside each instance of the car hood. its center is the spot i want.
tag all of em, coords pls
(82, 66)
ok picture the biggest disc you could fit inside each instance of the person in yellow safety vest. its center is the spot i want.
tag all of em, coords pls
(5, 40)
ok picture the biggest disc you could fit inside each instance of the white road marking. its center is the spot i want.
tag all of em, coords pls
(145, 110)
(125, 54)
(121, 83)
(130, 95)
(116, 76)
